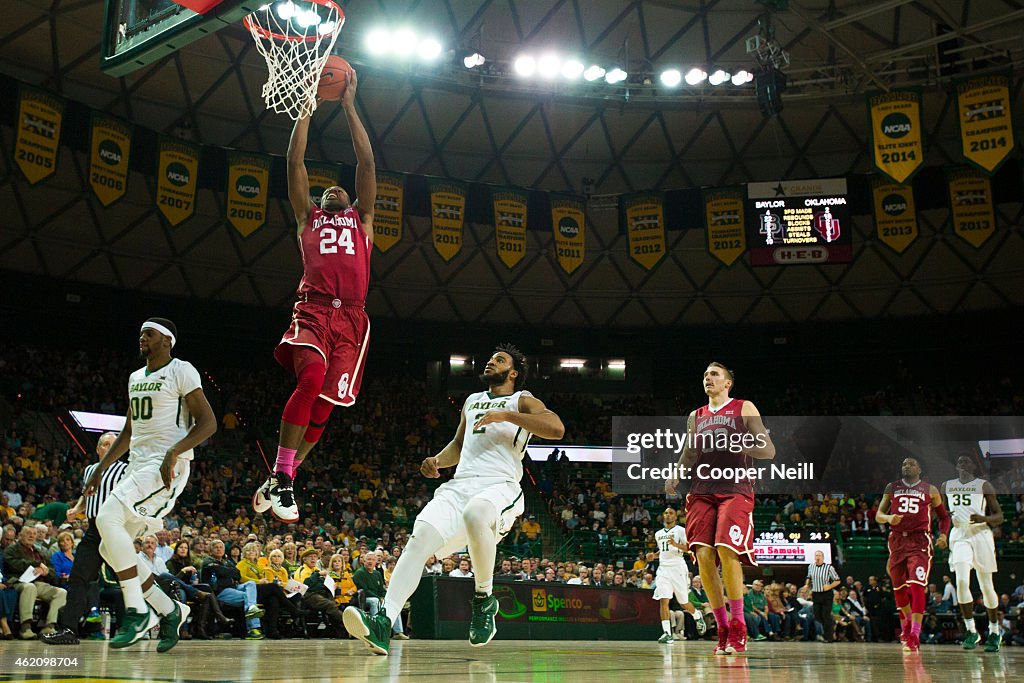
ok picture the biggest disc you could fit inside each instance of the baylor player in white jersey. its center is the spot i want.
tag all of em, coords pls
(673, 576)
(974, 507)
(478, 506)
(168, 416)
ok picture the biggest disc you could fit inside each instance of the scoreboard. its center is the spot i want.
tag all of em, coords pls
(793, 222)
(793, 547)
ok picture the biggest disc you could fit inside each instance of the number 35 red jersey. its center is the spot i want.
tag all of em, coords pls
(914, 503)
(335, 255)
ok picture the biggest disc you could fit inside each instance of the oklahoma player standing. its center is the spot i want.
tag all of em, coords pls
(910, 544)
(325, 345)
(719, 513)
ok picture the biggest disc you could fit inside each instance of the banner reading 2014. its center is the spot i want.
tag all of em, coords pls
(38, 133)
(986, 131)
(895, 216)
(896, 142)
(970, 198)
(248, 189)
(510, 224)
(177, 177)
(569, 226)
(387, 211)
(447, 213)
(645, 228)
(723, 214)
(108, 157)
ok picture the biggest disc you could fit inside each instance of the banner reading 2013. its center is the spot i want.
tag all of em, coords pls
(986, 131)
(108, 158)
(177, 177)
(723, 213)
(895, 215)
(510, 224)
(447, 214)
(387, 211)
(970, 198)
(248, 189)
(569, 226)
(38, 133)
(645, 228)
(896, 142)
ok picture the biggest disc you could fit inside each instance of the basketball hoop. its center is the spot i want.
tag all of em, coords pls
(295, 37)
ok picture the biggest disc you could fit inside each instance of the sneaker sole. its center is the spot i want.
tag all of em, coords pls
(286, 520)
(260, 503)
(185, 611)
(154, 620)
(489, 639)
(355, 626)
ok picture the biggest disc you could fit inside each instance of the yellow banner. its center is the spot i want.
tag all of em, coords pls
(108, 159)
(447, 214)
(569, 225)
(970, 198)
(896, 142)
(177, 178)
(726, 231)
(510, 225)
(645, 228)
(986, 131)
(248, 190)
(320, 176)
(387, 210)
(38, 134)
(895, 215)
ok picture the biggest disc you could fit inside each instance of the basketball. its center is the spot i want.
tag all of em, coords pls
(334, 79)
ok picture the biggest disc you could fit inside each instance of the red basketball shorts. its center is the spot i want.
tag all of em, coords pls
(727, 519)
(341, 335)
(910, 558)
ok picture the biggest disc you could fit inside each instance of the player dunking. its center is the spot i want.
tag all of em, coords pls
(910, 544)
(974, 507)
(478, 506)
(168, 416)
(673, 576)
(326, 343)
(720, 514)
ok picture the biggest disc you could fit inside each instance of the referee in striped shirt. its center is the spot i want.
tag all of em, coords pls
(86, 567)
(823, 578)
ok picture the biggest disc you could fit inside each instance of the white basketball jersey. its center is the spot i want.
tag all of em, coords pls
(966, 500)
(159, 414)
(668, 554)
(495, 450)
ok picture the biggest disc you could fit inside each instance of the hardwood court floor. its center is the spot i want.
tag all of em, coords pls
(509, 660)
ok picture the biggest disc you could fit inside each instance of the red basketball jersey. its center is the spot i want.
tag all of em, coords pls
(718, 428)
(335, 255)
(914, 503)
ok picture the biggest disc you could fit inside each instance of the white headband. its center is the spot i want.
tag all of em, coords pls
(161, 329)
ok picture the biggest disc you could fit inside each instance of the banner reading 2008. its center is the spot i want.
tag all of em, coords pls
(387, 211)
(38, 133)
(510, 224)
(248, 189)
(645, 227)
(723, 213)
(176, 180)
(447, 213)
(569, 225)
(986, 131)
(970, 198)
(108, 157)
(896, 142)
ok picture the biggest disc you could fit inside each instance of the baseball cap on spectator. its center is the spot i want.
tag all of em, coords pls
(307, 551)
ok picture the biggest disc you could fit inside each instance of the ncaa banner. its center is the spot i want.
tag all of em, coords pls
(38, 135)
(645, 228)
(726, 231)
(447, 214)
(321, 177)
(895, 215)
(569, 225)
(177, 178)
(986, 131)
(248, 190)
(896, 142)
(970, 198)
(510, 224)
(387, 210)
(111, 142)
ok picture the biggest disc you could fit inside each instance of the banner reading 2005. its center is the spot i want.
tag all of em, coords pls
(387, 211)
(970, 198)
(248, 189)
(896, 141)
(723, 213)
(645, 227)
(568, 223)
(447, 213)
(176, 180)
(510, 224)
(986, 131)
(38, 133)
(108, 158)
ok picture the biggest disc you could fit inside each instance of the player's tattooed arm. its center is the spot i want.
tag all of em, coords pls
(995, 511)
(883, 516)
(448, 456)
(763, 449)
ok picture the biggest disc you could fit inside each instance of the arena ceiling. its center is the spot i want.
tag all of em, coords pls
(446, 122)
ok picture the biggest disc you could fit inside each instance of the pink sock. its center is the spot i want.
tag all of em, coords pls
(721, 617)
(915, 628)
(736, 609)
(285, 461)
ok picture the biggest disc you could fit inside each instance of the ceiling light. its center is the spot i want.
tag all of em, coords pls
(307, 18)
(719, 77)
(614, 76)
(286, 10)
(572, 69)
(428, 50)
(573, 363)
(695, 75)
(525, 65)
(458, 360)
(616, 365)
(378, 42)
(671, 77)
(403, 43)
(593, 73)
(741, 77)
(326, 28)
(548, 66)
(475, 59)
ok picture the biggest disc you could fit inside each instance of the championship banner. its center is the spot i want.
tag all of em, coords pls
(970, 198)
(986, 131)
(510, 224)
(723, 215)
(387, 210)
(645, 227)
(38, 134)
(447, 213)
(176, 180)
(569, 226)
(320, 176)
(111, 143)
(248, 190)
(896, 142)
(895, 215)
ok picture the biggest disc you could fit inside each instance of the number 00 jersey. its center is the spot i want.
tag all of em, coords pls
(335, 255)
(668, 554)
(914, 503)
(159, 414)
(495, 450)
(965, 500)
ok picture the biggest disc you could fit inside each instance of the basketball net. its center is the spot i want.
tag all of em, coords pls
(295, 39)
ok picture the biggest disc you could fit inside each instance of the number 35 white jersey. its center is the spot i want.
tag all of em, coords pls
(965, 500)
(494, 450)
(668, 554)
